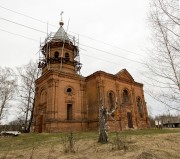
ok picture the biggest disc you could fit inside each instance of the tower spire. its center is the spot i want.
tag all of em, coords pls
(61, 23)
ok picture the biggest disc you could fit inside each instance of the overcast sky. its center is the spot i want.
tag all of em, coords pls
(113, 34)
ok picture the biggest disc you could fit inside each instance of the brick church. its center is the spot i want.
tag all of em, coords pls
(67, 101)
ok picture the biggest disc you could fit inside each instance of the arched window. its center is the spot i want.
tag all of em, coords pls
(139, 106)
(125, 96)
(111, 100)
(67, 58)
(56, 55)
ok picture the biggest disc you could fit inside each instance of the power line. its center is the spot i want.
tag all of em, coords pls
(70, 31)
(107, 44)
(22, 25)
(82, 45)
(25, 15)
(19, 35)
(112, 54)
(101, 59)
(97, 58)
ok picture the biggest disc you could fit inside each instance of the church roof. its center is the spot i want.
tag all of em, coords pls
(124, 74)
(61, 34)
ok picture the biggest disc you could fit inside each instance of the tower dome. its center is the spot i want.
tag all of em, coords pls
(61, 34)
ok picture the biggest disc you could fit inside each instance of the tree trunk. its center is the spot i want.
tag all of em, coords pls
(2, 107)
(103, 138)
(31, 117)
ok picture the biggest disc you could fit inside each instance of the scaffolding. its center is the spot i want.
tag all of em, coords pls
(62, 40)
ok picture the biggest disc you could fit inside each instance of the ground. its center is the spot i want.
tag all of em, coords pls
(131, 144)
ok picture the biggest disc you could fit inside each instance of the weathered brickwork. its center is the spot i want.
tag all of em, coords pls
(67, 101)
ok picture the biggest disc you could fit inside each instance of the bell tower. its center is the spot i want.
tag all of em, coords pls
(60, 52)
(60, 93)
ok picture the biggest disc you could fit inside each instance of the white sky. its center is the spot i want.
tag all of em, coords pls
(121, 23)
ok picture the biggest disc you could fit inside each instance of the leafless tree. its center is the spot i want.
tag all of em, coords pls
(103, 137)
(164, 59)
(7, 89)
(28, 74)
(18, 121)
(104, 113)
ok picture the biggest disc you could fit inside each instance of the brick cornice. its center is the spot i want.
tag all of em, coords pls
(112, 77)
(53, 74)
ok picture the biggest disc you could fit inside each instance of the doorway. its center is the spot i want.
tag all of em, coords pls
(40, 123)
(130, 122)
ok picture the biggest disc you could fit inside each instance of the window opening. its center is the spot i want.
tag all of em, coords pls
(69, 111)
(69, 90)
(125, 96)
(56, 55)
(111, 100)
(67, 58)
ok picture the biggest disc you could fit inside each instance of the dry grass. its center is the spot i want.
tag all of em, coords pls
(136, 144)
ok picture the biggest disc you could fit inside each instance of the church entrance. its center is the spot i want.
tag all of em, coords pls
(40, 123)
(130, 122)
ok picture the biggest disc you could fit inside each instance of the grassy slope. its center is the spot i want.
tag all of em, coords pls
(45, 139)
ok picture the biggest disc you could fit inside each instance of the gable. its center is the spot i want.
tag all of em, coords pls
(125, 75)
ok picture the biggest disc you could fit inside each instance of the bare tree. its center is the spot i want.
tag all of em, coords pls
(104, 113)
(7, 89)
(164, 59)
(18, 121)
(103, 137)
(28, 74)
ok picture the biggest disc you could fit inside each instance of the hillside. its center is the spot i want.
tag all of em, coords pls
(131, 144)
